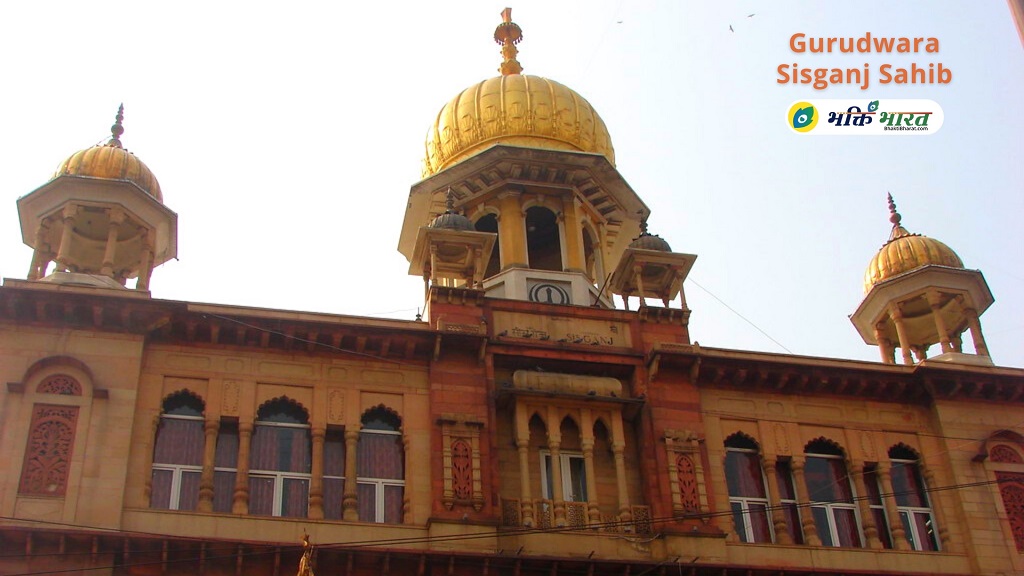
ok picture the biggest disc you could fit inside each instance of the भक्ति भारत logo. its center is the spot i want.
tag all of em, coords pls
(803, 117)
(864, 117)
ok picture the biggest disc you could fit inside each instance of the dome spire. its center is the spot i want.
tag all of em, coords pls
(117, 129)
(508, 34)
(894, 217)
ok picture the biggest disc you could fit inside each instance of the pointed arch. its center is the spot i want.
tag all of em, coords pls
(178, 452)
(748, 488)
(742, 440)
(831, 494)
(283, 410)
(183, 402)
(280, 459)
(901, 451)
(824, 446)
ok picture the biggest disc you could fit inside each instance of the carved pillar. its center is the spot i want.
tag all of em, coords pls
(618, 452)
(638, 274)
(937, 513)
(572, 232)
(980, 347)
(210, 429)
(146, 262)
(901, 331)
(240, 500)
(511, 231)
(885, 346)
(899, 535)
(804, 501)
(557, 493)
(768, 464)
(349, 511)
(63, 251)
(41, 252)
(587, 444)
(867, 519)
(934, 302)
(116, 218)
(316, 480)
(523, 446)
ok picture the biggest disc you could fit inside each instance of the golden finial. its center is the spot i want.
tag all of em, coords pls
(508, 34)
(117, 129)
(306, 561)
(894, 217)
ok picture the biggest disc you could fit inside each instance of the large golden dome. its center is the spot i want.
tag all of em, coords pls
(514, 109)
(905, 252)
(113, 162)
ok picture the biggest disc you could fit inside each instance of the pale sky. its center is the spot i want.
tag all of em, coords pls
(286, 136)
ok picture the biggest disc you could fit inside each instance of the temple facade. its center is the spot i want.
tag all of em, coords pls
(528, 424)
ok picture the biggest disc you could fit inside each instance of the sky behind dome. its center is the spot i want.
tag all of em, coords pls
(286, 137)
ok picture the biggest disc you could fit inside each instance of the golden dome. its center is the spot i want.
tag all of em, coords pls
(113, 162)
(514, 109)
(905, 252)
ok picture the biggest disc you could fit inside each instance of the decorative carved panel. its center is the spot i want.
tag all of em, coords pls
(60, 384)
(687, 476)
(1011, 488)
(48, 452)
(1004, 455)
(462, 470)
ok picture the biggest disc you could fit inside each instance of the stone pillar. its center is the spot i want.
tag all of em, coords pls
(557, 493)
(316, 480)
(901, 331)
(511, 231)
(885, 346)
(210, 428)
(899, 535)
(41, 252)
(934, 302)
(778, 515)
(525, 494)
(116, 218)
(937, 514)
(975, 326)
(63, 251)
(618, 452)
(145, 262)
(856, 469)
(639, 276)
(803, 500)
(572, 234)
(240, 500)
(349, 509)
(587, 444)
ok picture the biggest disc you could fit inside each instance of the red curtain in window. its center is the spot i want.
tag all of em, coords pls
(179, 441)
(744, 475)
(334, 465)
(827, 480)
(280, 448)
(380, 456)
(160, 489)
(226, 457)
(907, 485)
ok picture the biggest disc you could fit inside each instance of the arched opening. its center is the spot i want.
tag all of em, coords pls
(380, 467)
(489, 223)
(178, 453)
(543, 240)
(748, 491)
(280, 460)
(831, 494)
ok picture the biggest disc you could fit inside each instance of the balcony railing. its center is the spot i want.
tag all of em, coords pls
(576, 517)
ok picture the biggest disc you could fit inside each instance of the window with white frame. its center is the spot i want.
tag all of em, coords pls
(279, 461)
(748, 493)
(380, 467)
(831, 496)
(912, 500)
(573, 469)
(178, 454)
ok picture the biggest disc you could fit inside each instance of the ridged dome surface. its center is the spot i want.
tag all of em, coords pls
(651, 242)
(452, 221)
(112, 162)
(906, 252)
(515, 109)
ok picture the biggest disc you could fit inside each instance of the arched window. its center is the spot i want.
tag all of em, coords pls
(831, 495)
(748, 494)
(543, 239)
(279, 464)
(912, 499)
(380, 467)
(1006, 463)
(178, 453)
(489, 223)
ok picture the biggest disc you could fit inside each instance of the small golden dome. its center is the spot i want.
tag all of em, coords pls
(113, 162)
(515, 109)
(905, 252)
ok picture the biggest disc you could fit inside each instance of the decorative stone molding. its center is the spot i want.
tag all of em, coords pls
(460, 454)
(686, 474)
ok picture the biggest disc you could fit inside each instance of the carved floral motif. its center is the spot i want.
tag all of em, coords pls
(688, 490)
(1011, 488)
(1004, 455)
(462, 470)
(60, 384)
(48, 452)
